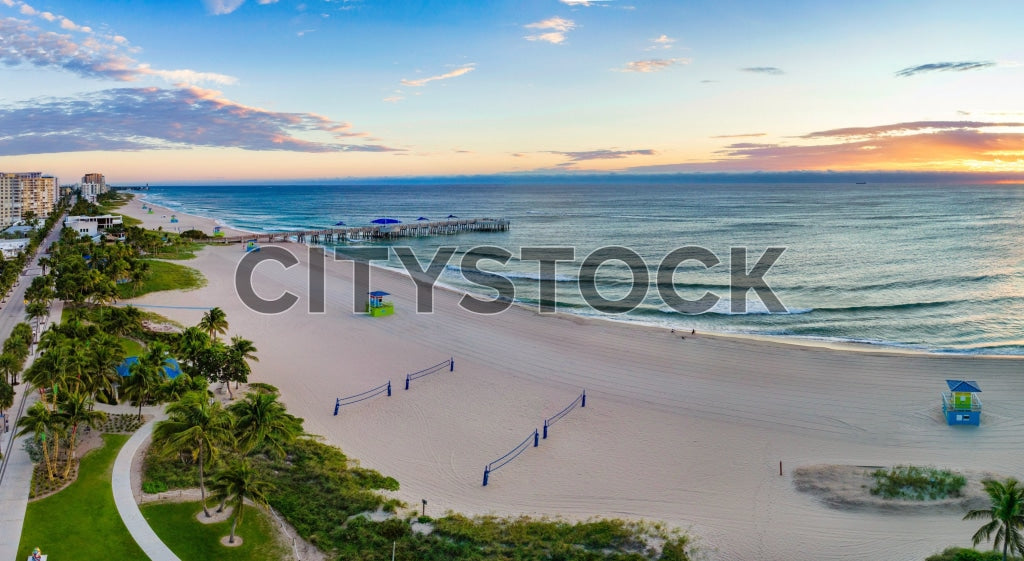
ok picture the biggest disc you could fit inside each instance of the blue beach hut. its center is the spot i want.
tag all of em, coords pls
(961, 404)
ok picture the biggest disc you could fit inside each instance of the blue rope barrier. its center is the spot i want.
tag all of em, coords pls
(511, 455)
(450, 363)
(580, 400)
(362, 396)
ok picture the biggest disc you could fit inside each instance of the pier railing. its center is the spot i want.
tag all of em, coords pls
(375, 232)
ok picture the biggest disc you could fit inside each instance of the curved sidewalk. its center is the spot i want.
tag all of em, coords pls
(121, 482)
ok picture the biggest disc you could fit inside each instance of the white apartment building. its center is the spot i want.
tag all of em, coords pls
(93, 185)
(24, 192)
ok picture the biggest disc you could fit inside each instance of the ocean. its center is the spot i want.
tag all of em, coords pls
(937, 268)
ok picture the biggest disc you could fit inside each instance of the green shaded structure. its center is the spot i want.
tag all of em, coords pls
(376, 306)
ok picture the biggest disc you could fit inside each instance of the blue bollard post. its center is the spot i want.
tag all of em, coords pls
(406, 381)
(337, 404)
(451, 364)
(389, 388)
(536, 438)
(487, 472)
(545, 429)
(584, 404)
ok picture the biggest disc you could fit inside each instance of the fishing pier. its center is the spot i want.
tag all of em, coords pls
(338, 234)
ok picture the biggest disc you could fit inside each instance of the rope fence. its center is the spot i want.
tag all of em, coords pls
(580, 401)
(362, 396)
(450, 364)
(511, 455)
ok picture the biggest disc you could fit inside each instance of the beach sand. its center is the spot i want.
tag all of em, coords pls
(690, 432)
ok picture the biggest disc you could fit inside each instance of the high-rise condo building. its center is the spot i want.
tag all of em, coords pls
(26, 192)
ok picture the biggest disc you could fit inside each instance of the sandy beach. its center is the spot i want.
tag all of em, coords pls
(688, 431)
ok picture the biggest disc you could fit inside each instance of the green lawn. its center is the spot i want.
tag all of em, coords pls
(179, 252)
(176, 525)
(163, 276)
(81, 522)
(131, 347)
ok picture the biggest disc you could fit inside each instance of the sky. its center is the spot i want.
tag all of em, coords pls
(236, 90)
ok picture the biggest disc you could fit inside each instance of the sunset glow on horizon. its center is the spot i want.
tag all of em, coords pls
(234, 90)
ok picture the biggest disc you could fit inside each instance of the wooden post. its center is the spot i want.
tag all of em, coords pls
(780, 468)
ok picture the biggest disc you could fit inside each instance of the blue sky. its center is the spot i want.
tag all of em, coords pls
(232, 90)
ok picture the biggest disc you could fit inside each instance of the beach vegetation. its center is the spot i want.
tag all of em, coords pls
(237, 483)
(161, 275)
(1005, 516)
(917, 483)
(967, 554)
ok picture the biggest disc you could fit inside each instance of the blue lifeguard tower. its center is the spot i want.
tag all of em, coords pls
(961, 404)
(377, 307)
(218, 232)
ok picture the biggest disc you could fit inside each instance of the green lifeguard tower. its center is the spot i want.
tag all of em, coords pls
(961, 404)
(376, 306)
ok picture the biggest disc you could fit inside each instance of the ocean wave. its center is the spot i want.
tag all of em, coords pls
(891, 307)
(754, 308)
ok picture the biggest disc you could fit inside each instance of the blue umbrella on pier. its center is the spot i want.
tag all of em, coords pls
(452, 216)
(386, 221)
(339, 223)
(422, 218)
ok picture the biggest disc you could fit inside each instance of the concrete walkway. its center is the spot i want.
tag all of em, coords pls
(124, 498)
(17, 480)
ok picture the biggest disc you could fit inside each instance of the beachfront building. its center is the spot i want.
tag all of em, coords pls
(21, 193)
(961, 404)
(92, 225)
(93, 185)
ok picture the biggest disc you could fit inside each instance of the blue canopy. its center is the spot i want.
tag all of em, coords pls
(339, 223)
(452, 216)
(171, 367)
(380, 293)
(386, 221)
(423, 218)
(963, 386)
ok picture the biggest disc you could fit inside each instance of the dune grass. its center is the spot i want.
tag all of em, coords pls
(131, 347)
(176, 525)
(163, 276)
(81, 522)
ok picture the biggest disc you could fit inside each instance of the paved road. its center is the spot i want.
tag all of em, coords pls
(16, 468)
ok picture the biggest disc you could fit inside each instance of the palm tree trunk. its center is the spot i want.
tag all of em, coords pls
(234, 523)
(71, 451)
(1006, 543)
(140, 409)
(202, 483)
(46, 460)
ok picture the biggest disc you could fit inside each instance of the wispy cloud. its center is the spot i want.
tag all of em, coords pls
(653, 65)
(923, 145)
(772, 70)
(393, 98)
(586, 3)
(661, 42)
(92, 57)
(155, 118)
(945, 67)
(903, 128)
(741, 135)
(604, 154)
(465, 69)
(222, 7)
(557, 28)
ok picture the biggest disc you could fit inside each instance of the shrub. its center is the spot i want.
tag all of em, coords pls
(917, 483)
(154, 487)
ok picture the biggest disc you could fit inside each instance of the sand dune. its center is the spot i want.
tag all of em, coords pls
(686, 431)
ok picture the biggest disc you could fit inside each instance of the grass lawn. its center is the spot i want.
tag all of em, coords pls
(179, 252)
(131, 347)
(163, 276)
(81, 522)
(176, 525)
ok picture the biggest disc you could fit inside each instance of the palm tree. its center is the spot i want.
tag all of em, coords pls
(173, 390)
(75, 409)
(9, 368)
(1006, 516)
(122, 321)
(6, 395)
(104, 355)
(261, 420)
(144, 379)
(192, 342)
(214, 322)
(236, 483)
(45, 426)
(198, 426)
